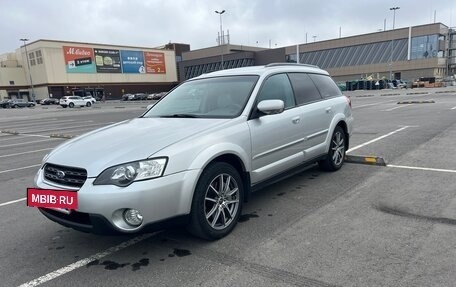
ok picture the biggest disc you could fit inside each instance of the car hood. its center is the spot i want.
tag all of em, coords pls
(126, 141)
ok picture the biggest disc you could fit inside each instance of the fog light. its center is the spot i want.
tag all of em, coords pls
(133, 217)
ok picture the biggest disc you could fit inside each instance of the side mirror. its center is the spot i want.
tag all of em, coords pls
(271, 107)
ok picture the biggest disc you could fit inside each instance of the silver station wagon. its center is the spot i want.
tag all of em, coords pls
(198, 153)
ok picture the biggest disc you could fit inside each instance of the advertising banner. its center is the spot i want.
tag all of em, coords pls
(155, 63)
(78, 59)
(132, 62)
(107, 61)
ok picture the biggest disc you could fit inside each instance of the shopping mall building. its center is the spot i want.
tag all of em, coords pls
(58, 68)
(405, 53)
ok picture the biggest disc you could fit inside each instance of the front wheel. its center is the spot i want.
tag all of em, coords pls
(217, 202)
(336, 154)
(71, 105)
(88, 104)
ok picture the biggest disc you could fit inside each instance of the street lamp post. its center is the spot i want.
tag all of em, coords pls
(392, 40)
(28, 64)
(221, 40)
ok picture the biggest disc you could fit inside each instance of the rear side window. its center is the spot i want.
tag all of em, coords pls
(326, 86)
(304, 88)
(278, 87)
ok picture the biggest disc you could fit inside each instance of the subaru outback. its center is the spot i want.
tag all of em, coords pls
(198, 153)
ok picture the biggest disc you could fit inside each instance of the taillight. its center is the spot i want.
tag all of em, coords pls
(348, 101)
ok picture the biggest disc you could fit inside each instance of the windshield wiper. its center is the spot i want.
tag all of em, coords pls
(180, 116)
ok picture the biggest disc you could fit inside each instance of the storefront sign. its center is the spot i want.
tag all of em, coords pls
(107, 61)
(78, 59)
(155, 63)
(132, 62)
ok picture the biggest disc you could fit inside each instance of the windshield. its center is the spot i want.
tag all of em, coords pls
(221, 97)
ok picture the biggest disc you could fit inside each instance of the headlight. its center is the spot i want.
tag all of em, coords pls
(125, 174)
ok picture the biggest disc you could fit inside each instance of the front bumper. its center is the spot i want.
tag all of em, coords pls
(100, 207)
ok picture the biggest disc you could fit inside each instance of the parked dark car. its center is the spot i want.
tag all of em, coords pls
(49, 101)
(5, 104)
(140, 97)
(125, 97)
(18, 103)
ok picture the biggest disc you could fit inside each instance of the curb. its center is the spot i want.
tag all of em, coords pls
(418, 93)
(369, 160)
(416, 102)
(9, 132)
(364, 96)
(61, 136)
(445, 92)
(386, 95)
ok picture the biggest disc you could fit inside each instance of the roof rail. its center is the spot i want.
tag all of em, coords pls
(291, 64)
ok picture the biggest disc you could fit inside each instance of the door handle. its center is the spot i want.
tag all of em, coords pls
(296, 120)
(328, 110)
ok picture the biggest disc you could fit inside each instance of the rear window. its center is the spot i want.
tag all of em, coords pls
(304, 88)
(326, 86)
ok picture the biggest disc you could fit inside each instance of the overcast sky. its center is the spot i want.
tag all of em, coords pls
(152, 23)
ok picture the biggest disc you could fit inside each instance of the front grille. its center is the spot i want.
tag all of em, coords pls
(65, 175)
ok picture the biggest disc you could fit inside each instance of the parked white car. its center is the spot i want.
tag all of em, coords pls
(199, 152)
(90, 98)
(74, 101)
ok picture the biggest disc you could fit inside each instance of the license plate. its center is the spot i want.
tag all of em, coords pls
(51, 198)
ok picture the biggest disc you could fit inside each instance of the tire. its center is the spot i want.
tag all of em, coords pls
(216, 210)
(336, 153)
(15, 106)
(71, 105)
(88, 104)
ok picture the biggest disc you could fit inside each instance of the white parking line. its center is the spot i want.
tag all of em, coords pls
(85, 261)
(24, 143)
(13, 201)
(453, 108)
(13, 138)
(19, 168)
(68, 128)
(377, 139)
(373, 104)
(25, 152)
(395, 108)
(422, 168)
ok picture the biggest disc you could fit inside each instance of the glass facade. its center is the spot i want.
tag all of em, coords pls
(196, 70)
(373, 53)
(424, 47)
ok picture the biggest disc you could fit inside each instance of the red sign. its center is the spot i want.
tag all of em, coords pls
(155, 63)
(51, 198)
(78, 59)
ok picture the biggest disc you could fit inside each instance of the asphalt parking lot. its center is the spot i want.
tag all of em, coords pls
(365, 225)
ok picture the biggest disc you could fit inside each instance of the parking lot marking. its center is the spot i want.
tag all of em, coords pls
(395, 108)
(13, 201)
(453, 108)
(85, 261)
(24, 143)
(377, 139)
(421, 168)
(12, 138)
(25, 152)
(66, 128)
(367, 105)
(19, 168)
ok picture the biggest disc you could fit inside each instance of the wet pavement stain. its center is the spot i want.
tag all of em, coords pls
(281, 194)
(93, 263)
(171, 255)
(162, 259)
(111, 265)
(246, 217)
(60, 247)
(181, 252)
(269, 214)
(144, 253)
(143, 262)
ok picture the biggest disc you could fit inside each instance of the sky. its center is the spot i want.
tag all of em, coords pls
(262, 23)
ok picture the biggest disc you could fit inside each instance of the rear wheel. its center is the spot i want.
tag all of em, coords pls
(71, 105)
(336, 153)
(217, 202)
